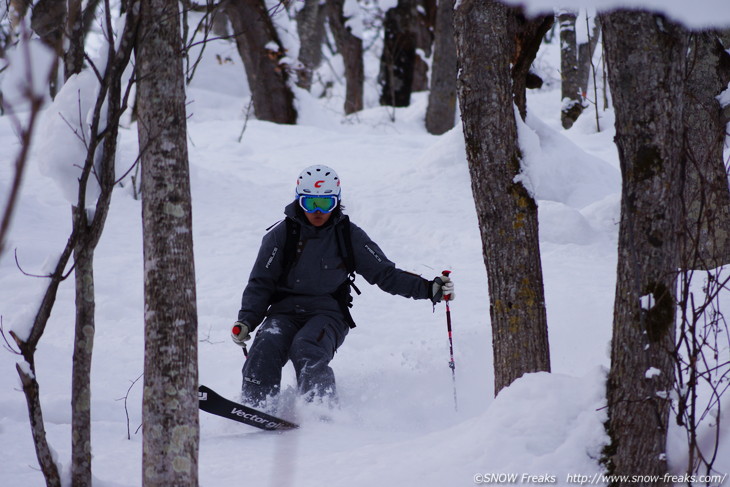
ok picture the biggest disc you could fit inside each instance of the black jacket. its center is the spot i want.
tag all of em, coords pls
(318, 272)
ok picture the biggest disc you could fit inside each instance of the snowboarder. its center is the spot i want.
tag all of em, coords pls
(300, 288)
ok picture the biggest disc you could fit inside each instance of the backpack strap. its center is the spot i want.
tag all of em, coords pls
(292, 246)
(343, 294)
(344, 244)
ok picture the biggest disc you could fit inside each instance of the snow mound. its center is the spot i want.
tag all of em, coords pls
(555, 420)
(556, 169)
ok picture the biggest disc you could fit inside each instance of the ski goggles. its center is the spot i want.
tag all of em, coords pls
(322, 204)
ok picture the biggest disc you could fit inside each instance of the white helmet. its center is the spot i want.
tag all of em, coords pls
(318, 180)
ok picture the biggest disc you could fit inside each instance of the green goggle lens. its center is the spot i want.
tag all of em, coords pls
(323, 204)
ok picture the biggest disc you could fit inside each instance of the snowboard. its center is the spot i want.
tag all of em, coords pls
(213, 403)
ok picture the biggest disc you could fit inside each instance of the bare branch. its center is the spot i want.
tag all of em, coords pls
(125, 398)
(20, 163)
(93, 67)
(8, 346)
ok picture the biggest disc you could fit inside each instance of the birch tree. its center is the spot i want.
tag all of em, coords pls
(100, 164)
(170, 401)
(91, 133)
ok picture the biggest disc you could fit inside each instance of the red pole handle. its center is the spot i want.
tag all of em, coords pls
(236, 330)
(446, 274)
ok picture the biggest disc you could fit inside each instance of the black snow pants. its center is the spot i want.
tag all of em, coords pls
(309, 341)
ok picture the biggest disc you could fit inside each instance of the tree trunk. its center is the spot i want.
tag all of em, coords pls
(28, 345)
(44, 453)
(706, 195)
(585, 55)
(572, 101)
(89, 233)
(74, 56)
(399, 56)
(442, 98)
(423, 24)
(261, 51)
(575, 66)
(27, 372)
(219, 22)
(17, 10)
(170, 402)
(101, 155)
(81, 377)
(310, 26)
(79, 20)
(89, 14)
(47, 20)
(646, 57)
(528, 35)
(350, 47)
(507, 213)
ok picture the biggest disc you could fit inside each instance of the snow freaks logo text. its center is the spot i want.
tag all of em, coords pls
(514, 478)
(597, 479)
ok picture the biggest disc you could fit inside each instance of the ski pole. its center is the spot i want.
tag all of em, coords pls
(452, 364)
(236, 330)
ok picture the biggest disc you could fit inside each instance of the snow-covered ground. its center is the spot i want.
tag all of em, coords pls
(411, 192)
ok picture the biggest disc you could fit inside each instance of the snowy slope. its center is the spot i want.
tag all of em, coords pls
(411, 192)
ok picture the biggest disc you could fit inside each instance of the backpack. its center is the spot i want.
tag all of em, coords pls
(293, 248)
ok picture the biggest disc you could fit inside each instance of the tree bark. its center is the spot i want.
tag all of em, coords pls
(350, 47)
(102, 156)
(74, 56)
(528, 35)
(47, 20)
(442, 97)
(507, 213)
(261, 51)
(27, 345)
(706, 195)
(170, 402)
(423, 24)
(646, 56)
(45, 455)
(585, 55)
(89, 13)
(17, 11)
(310, 26)
(27, 371)
(399, 56)
(572, 101)
(575, 66)
(83, 347)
